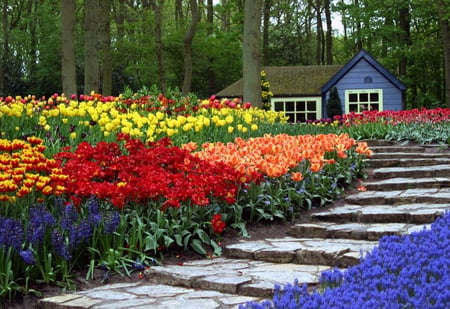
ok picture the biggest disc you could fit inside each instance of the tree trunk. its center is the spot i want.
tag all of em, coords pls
(319, 32)
(157, 6)
(68, 68)
(178, 13)
(251, 54)
(329, 35)
(405, 37)
(266, 20)
(105, 8)
(445, 34)
(33, 53)
(359, 42)
(211, 59)
(91, 63)
(5, 48)
(187, 46)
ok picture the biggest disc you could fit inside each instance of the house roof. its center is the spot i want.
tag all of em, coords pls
(355, 60)
(289, 80)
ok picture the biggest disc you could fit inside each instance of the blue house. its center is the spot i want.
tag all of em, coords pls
(302, 91)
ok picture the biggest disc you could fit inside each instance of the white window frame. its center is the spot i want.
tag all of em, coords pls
(297, 103)
(366, 105)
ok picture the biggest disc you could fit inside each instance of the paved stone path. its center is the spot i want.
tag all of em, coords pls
(408, 188)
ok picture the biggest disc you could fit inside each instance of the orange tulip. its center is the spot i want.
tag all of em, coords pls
(296, 176)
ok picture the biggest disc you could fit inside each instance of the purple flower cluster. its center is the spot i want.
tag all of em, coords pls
(411, 271)
(65, 230)
(11, 233)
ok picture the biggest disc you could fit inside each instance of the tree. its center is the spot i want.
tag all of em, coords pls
(445, 34)
(266, 23)
(329, 33)
(105, 41)
(187, 46)
(158, 7)
(251, 53)
(91, 64)
(68, 68)
(334, 107)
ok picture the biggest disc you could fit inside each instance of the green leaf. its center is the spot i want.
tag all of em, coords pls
(203, 236)
(150, 243)
(186, 240)
(241, 227)
(217, 248)
(178, 239)
(197, 245)
(168, 241)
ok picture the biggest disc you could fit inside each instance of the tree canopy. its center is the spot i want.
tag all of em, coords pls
(197, 45)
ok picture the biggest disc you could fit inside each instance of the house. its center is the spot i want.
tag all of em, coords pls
(302, 91)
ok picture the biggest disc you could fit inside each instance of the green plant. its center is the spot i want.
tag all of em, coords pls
(334, 107)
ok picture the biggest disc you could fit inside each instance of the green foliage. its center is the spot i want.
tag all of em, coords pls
(334, 107)
(32, 59)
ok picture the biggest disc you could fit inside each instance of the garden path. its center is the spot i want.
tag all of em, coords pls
(407, 189)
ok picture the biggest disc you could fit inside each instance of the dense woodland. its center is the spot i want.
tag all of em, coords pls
(75, 46)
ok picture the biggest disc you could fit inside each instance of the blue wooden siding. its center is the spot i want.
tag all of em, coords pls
(355, 79)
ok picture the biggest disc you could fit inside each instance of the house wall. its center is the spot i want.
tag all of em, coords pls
(356, 78)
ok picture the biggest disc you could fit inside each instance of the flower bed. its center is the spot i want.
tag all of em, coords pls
(116, 183)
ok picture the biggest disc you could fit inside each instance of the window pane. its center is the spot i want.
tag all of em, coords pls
(374, 97)
(353, 97)
(374, 107)
(291, 117)
(311, 106)
(300, 106)
(290, 106)
(363, 97)
(279, 106)
(301, 117)
(353, 107)
(312, 116)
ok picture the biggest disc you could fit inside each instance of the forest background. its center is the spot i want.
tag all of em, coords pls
(108, 46)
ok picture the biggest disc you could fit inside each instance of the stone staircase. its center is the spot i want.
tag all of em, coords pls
(407, 189)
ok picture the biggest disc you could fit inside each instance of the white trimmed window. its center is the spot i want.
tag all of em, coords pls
(298, 109)
(363, 99)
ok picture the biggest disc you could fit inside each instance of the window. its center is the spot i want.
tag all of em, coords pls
(298, 109)
(363, 99)
(368, 80)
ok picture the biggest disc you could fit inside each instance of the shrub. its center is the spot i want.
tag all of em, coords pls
(334, 104)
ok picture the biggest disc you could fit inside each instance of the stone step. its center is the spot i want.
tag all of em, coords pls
(379, 142)
(408, 162)
(143, 295)
(352, 230)
(341, 253)
(407, 183)
(397, 148)
(407, 155)
(398, 197)
(407, 213)
(440, 170)
(234, 276)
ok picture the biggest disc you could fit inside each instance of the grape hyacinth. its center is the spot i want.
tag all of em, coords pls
(27, 257)
(11, 233)
(411, 271)
(39, 220)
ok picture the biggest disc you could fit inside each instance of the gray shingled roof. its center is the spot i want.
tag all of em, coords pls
(289, 80)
